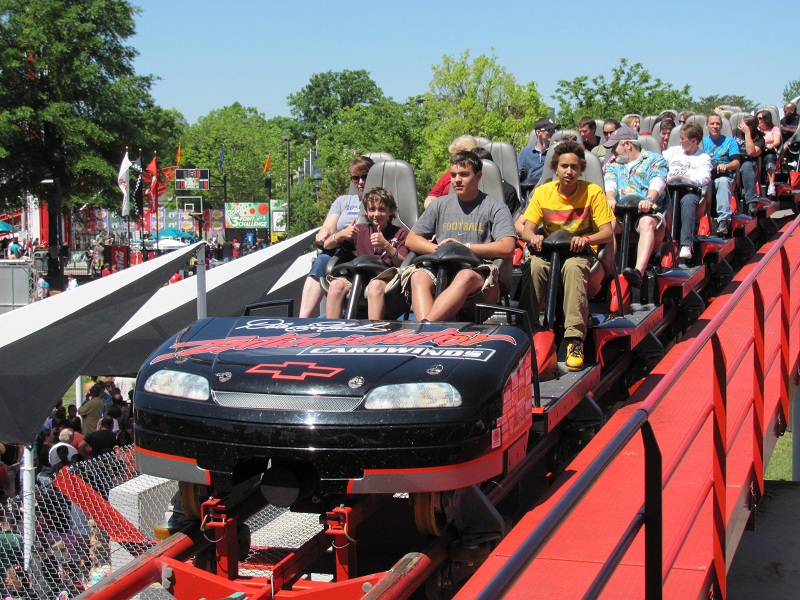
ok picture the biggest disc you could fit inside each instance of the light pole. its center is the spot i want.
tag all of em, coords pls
(285, 138)
(56, 255)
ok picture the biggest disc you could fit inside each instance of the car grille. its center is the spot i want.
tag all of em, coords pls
(287, 402)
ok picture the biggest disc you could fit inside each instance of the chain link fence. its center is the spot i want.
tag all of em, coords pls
(89, 520)
(95, 516)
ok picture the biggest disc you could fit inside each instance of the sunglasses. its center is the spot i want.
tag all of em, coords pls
(358, 177)
(607, 133)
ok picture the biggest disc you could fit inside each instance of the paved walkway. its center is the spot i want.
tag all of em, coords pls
(767, 562)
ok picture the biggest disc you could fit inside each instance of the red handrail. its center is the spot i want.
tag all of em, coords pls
(722, 438)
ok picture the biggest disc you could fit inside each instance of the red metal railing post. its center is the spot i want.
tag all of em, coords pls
(785, 298)
(758, 387)
(720, 383)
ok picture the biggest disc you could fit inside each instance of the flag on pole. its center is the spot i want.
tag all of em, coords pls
(122, 181)
(267, 164)
(138, 200)
(222, 159)
(178, 157)
(152, 193)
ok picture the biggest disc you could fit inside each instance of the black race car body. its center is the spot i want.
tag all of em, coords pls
(359, 406)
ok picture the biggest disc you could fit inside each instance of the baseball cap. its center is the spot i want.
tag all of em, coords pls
(623, 133)
(546, 123)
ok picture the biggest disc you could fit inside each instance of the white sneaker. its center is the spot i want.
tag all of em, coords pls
(686, 252)
(771, 189)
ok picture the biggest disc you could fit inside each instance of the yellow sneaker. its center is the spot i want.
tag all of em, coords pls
(575, 355)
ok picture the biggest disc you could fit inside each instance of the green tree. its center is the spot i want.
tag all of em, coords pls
(248, 139)
(631, 89)
(792, 90)
(326, 94)
(479, 97)
(705, 105)
(69, 98)
(385, 126)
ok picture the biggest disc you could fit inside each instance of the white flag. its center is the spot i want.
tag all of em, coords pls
(122, 181)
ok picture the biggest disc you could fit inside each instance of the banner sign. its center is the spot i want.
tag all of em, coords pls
(246, 215)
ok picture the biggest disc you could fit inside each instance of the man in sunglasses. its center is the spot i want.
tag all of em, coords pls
(530, 161)
(609, 127)
(637, 172)
(340, 222)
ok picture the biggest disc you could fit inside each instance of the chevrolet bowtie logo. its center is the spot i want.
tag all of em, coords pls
(295, 370)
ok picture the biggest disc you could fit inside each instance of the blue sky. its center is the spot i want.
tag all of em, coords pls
(211, 54)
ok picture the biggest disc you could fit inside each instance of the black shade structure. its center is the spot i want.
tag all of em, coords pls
(230, 287)
(45, 346)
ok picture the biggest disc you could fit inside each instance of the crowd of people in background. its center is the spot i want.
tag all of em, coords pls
(72, 552)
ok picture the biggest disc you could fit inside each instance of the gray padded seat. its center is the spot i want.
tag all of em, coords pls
(505, 157)
(482, 141)
(397, 176)
(727, 128)
(651, 143)
(776, 116)
(675, 137)
(593, 172)
(699, 119)
(491, 182)
(599, 130)
(378, 157)
(647, 123)
(736, 118)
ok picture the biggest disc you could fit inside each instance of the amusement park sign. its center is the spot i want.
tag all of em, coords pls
(245, 215)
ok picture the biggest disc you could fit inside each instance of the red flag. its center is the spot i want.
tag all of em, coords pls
(267, 164)
(152, 177)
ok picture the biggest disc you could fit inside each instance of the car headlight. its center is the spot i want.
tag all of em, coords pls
(413, 395)
(178, 384)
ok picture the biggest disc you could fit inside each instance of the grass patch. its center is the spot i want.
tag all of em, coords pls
(780, 465)
(69, 397)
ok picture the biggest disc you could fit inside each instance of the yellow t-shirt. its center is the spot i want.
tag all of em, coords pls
(582, 213)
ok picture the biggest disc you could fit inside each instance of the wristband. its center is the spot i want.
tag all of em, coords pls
(588, 241)
(467, 245)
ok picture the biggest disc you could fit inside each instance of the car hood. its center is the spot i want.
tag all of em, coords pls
(290, 356)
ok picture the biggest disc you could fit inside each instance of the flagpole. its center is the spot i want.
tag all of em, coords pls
(152, 195)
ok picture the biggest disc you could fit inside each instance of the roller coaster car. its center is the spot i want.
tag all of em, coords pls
(332, 407)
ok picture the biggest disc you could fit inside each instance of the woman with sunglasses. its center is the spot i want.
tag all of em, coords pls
(772, 141)
(340, 221)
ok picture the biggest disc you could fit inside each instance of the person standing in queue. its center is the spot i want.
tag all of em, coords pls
(581, 208)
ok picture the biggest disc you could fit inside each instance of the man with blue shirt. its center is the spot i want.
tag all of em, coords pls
(530, 161)
(724, 153)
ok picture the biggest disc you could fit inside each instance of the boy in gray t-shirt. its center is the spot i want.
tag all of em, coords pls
(467, 216)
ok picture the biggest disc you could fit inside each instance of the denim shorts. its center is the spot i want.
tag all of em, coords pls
(318, 266)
